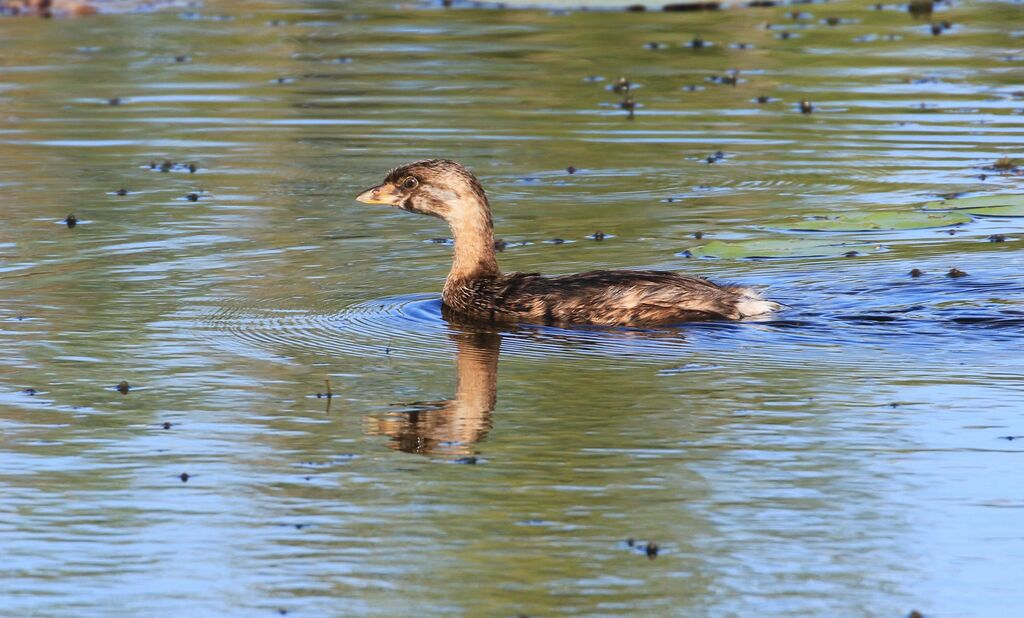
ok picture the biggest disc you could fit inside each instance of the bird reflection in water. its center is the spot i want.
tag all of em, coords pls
(450, 427)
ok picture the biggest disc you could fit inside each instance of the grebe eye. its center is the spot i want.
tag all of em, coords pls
(410, 183)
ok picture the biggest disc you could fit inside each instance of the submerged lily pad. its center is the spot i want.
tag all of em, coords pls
(882, 221)
(985, 206)
(778, 248)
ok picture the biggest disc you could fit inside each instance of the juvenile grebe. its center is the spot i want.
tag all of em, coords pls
(475, 287)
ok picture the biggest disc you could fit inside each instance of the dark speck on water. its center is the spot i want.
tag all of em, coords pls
(184, 476)
(570, 169)
(500, 244)
(956, 273)
(763, 99)
(917, 272)
(599, 235)
(806, 107)
(651, 550)
(630, 542)
(466, 461)
(997, 238)
(919, 8)
(698, 235)
(122, 192)
(936, 29)
(29, 391)
(557, 241)
(166, 425)
(123, 387)
(192, 197)
(71, 220)
(114, 101)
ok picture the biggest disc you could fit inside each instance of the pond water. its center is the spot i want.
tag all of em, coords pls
(857, 454)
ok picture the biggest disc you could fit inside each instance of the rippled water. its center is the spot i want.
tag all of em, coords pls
(856, 455)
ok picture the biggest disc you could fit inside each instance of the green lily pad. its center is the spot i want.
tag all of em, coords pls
(985, 206)
(777, 248)
(882, 221)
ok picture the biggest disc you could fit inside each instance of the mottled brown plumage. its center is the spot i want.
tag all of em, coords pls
(476, 287)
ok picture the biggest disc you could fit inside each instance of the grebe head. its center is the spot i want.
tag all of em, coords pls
(436, 187)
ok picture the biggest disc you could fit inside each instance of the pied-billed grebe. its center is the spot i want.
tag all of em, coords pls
(475, 287)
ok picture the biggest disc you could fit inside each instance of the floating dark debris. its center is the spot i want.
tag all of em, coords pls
(729, 79)
(181, 58)
(329, 394)
(168, 165)
(466, 461)
(920, 8)
(114, 101)
(680, 7)
(558, 241)
(71, 220)
(184, 476)
(850, 254)
(1004, 164)
(651, 550)
(123, 387)
(956, 273)
(166, 425)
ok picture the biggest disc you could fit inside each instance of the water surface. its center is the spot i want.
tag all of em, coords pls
(856, 455)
